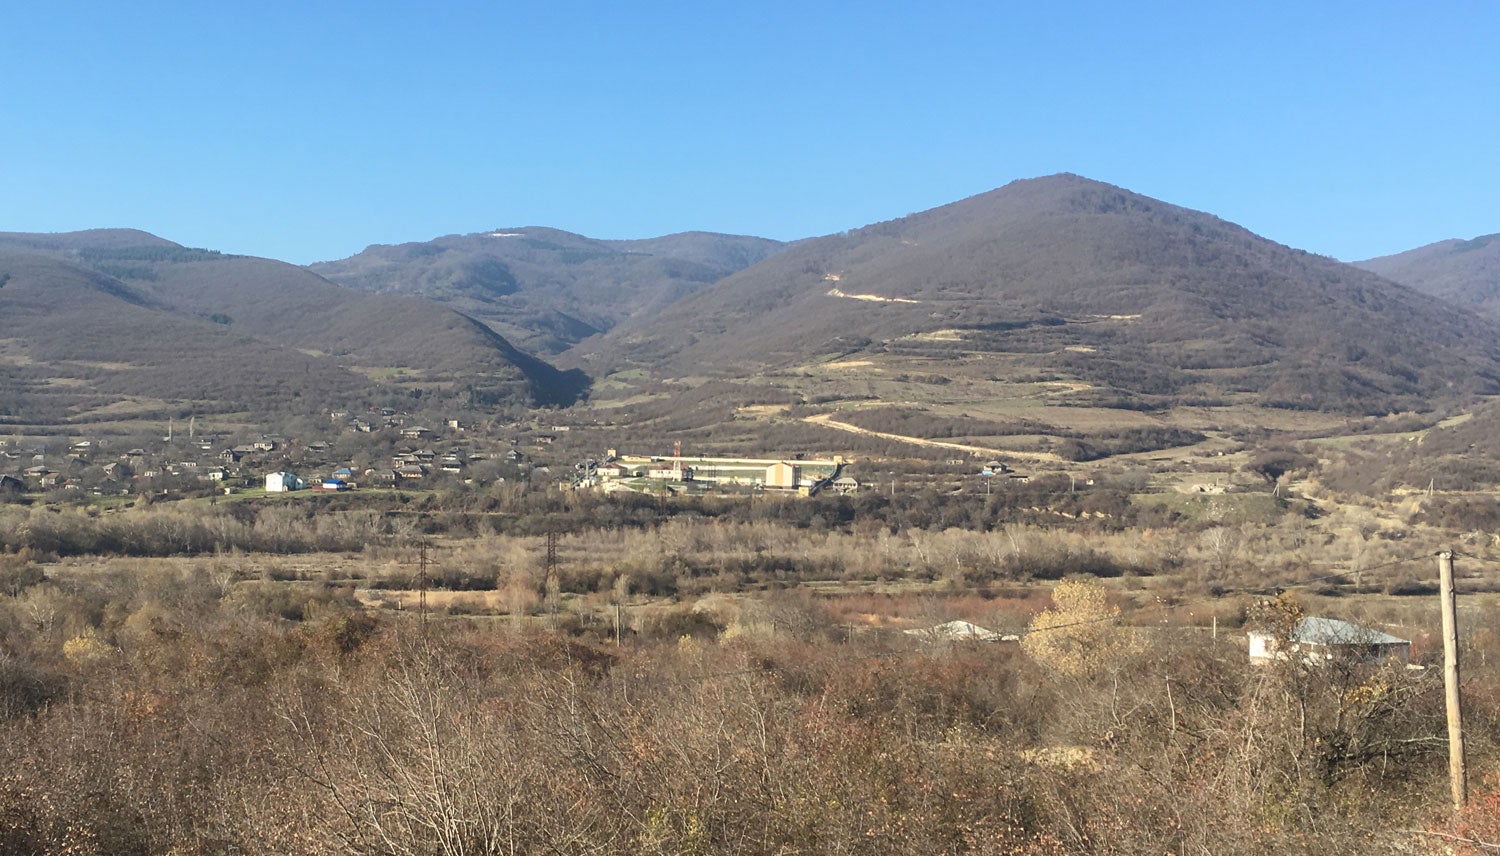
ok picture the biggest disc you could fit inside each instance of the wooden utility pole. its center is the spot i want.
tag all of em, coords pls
(1457, 774)
(553, 587)
(422, 585)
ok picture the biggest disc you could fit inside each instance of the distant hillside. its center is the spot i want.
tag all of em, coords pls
(1461, 454)
(77, 344)
(194, 324)
(1080, 280)
(546, 289)
(85, 241)
(1466, 273)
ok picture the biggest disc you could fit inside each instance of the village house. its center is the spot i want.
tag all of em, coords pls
(959, 631)
(1322, 640)
(283, 482)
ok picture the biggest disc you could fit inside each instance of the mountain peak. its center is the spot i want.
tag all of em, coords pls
(1116, 292)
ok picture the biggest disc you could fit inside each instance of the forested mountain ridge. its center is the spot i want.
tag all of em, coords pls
(1466, 273)
(1089, 281)
(77, 344)
(153, 320)
(546, 289)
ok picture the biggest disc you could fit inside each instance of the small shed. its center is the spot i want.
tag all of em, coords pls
(1318, 639)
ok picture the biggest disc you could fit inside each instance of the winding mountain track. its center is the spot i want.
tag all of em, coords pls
(827, 420)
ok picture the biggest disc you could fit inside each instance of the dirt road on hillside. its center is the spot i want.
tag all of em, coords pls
(826, 420)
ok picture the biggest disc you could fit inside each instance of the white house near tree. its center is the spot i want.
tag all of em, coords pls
(283, 482)
(958, 631)
(1318, 639)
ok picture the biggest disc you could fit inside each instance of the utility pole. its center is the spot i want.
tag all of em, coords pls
(1457, 774)
(554, 589)
(621, 591)
(422, 585)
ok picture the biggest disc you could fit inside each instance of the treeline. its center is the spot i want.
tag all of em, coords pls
(188, 531)
(151, 253)
(344, 523)
(1124, 441)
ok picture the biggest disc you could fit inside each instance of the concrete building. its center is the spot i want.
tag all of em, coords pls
(783, 475)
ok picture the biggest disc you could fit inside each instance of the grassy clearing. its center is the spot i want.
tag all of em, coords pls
(1255, 508)
(384, 373)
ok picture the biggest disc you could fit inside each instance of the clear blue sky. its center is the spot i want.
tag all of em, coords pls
(308, 131)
